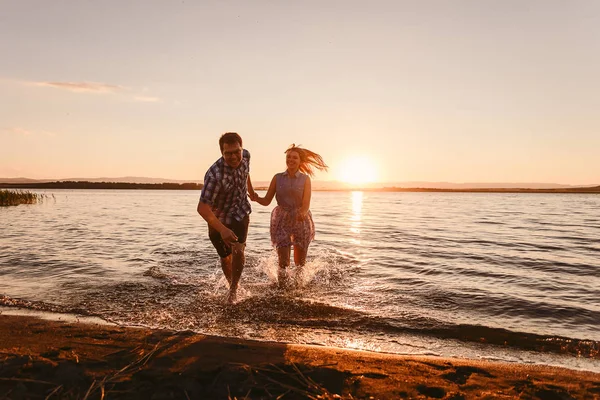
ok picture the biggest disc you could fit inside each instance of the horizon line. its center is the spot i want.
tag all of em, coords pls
(325, 181)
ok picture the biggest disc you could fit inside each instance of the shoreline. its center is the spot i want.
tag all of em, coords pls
(82, 356)
(554, 351)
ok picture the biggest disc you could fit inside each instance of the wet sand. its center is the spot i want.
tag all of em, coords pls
(42, 358)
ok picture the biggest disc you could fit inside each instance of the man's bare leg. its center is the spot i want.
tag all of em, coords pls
(226, 267)
(237, 266)
(284, 261)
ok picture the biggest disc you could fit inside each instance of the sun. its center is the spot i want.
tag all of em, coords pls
(358, 170)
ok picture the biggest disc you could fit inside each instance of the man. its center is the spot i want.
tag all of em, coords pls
(225, 207)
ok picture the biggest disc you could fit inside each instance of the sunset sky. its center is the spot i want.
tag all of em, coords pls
(459, 91)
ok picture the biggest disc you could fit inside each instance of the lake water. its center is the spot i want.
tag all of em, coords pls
(510, 277)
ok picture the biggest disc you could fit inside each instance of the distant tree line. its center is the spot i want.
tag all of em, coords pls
(198, 186)
(593, 189)
(103, 185)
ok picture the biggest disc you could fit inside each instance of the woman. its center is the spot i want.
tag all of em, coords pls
(291, 220)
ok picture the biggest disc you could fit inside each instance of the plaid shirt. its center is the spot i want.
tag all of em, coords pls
(225, 189)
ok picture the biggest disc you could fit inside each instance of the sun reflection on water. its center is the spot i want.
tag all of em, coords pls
(355, 218)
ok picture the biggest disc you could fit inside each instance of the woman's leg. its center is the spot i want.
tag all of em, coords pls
(300, 260)
(300, 256)
(283, 254)
(304, 232)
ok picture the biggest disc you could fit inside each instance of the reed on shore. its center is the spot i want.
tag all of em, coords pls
(16, 197)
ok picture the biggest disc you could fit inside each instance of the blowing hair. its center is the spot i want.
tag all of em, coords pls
(309, 160)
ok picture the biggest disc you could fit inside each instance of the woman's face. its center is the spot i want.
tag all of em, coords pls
(292, 160)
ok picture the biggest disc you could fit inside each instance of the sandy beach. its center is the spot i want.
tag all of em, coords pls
(64, 359)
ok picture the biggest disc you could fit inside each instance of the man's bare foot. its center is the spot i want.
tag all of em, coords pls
(232, 296)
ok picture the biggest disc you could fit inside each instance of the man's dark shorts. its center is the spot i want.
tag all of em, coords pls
(240, 228)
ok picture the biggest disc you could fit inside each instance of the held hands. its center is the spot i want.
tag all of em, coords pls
(253, 196)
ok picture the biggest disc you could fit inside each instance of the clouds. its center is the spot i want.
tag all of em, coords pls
(85, 87)
(17, 132)
(22, 132)
(99, 88)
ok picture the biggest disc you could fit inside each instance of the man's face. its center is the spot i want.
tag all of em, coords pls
(232, 154)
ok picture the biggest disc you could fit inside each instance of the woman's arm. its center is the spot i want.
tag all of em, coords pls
(265, 201)
(305, 198)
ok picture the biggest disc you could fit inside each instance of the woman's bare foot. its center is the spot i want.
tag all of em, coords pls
(282, 278)
(299, 276)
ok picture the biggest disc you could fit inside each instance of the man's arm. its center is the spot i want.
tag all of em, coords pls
(251, 193)
(206, 212)
(208, 195)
